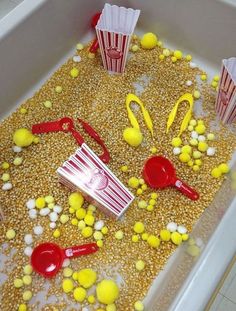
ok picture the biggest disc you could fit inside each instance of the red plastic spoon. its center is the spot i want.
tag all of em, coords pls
(159, 172)
(47, 258)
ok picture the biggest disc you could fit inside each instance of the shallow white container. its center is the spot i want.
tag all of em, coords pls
(38, 36)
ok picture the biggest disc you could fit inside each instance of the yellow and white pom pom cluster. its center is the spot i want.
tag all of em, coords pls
(23, 282)
(198, 145)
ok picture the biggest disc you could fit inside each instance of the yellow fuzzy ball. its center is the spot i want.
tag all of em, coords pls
(176, 142)
(153, 241)
(202, 146)
(132, 136)
(176, 238)
(149, 41)
(23, 137)
(107, 291)
(216, 172)
(184, 157)
(87, 277)
(224, 168)
(67, 285)
(139, 227)
(79, 294)
(133, 182)
(76, 200)
(178, 54)
(165, 235)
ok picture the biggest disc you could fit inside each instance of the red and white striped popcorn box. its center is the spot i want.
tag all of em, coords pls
(86, 172)
(114, 30)
(226, 98)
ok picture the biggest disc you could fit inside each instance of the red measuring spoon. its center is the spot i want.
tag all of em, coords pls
(159, 172)
(47, 258)
(93, 48)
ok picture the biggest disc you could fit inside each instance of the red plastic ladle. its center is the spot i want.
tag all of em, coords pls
(47, 258)
(159, 172)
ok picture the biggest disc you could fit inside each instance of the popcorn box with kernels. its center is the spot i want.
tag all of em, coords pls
(85, 172)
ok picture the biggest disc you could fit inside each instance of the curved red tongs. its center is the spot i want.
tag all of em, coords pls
(66, 124)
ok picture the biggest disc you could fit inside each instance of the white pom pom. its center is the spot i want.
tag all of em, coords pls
(28, 251)
(192, 65)
(76, 58)
(7, 186)
(182, 229)
(30, 203)
(44, 211)
(28, 239)
(53, 216)
(66, 263)
(201, 138)
(172, 226)
(211, 151)
(99, 225)
(189, 83)
(32, 213)
(38, 230)
(176, 150)
(52, 225)
(194, 135)
(57, 209)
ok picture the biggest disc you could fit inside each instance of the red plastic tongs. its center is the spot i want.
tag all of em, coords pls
(67, 125)
(93, 48)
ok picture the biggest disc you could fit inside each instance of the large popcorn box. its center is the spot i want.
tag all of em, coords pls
(85, 172)
(226, 97)
(114, 30)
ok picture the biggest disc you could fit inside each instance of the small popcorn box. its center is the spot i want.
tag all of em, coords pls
(114, 30)
(86, 172)
(226, 98)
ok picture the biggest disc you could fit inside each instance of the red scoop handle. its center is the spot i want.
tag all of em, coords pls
(185, 189)
(94, 47)
(76, 251)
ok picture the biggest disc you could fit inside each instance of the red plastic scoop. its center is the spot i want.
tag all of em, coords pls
(95, 46)
(159, 172)
(47, 258)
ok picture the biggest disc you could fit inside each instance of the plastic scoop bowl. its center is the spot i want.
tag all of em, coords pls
(159, 172)
(47, 258)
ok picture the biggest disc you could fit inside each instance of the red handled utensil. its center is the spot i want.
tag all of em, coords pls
(47, 258)
(93, 48)
(67, 125)
(159, 172)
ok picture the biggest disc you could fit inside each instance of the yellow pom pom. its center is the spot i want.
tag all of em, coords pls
(64, 218)
(149, 41)
(91, 299)
(75, 276)
(145, 236)
(154, 195)
(165, 235)
(124, 168)
(22, 307)
(23, 137)
(56, 233)
(18, 283)
(173, 59)
(40, 202)
(98, 235)
(48, 104)
(27, 279)
(196, 94)
(196, 168)
(89, 220)
(185, 237)
(197, 154)
(216, 172)
(139, 191)
(74, 73)
(71, 210)
(188, 57)
(58, 89)
(80, 213)
(184, 157)
(135, 238)
(139, 227)
(140, 265)
(111, 307)
(76, 200)
(138, 306)
(79, 294)
(152, 202)
(198, 162)
(79, 46)
(134, 48)
(190, 163)
(67, 285)
(166, 52)
(107, 292)
(153, 241)
(202, 146)
(49, 199)
(132, 136)
(193, 122)
(144, 187)
(176, 142)
(27, 295)
(216, 78)
(153, 150)
(133, 182)
(150, 208)
(74, 222)
(28, 269)
(178, 54)
(210, 136)
(119, 235)
(100, 243)
(186, 149)
(176, 238)
(5, 165)
(67, 272)
(193, 142)
(87, 232)
(200, 129)
(10, 234)
(203, 77)
(224, 168)
(161, 56)
(104, 230)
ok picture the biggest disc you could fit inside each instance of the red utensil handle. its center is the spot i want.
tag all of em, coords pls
(46, 127)
(76, 251)
(186, 190)
(94, 47)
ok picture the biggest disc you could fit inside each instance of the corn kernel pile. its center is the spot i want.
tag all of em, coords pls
(38, 209)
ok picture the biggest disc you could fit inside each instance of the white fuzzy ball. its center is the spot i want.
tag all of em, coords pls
(16, 149)
(28, 239)
(38, 230)
(32, 213)
(30, 203)
(201, 138)
(28, 251)
(76, 58)
(7, 186)
(211, 151)
(57, 209)
(172, 226)
(44, 211)
(194, 135)
(52, 225)
(99, 225)
(192, 65)
(176, 150)
(66, 263)
(53, 216)
(189, 83)
(182, 229)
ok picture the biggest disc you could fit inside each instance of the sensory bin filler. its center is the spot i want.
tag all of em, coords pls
(91, 205)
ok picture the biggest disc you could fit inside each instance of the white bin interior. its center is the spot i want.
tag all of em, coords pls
(37, 37)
